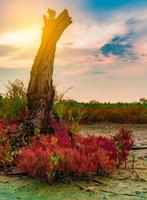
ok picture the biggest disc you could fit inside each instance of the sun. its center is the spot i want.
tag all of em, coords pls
(21, 37)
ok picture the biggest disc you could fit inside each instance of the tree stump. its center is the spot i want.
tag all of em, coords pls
(40, 90)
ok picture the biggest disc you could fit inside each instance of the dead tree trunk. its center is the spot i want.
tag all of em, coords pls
(40, 89)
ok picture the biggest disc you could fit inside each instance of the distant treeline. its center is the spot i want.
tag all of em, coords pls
(94, 112)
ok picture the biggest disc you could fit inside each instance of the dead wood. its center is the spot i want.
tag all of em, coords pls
(40, 90)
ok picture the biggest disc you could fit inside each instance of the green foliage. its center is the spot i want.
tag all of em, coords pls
(143, 101)
(1, 99)
(15, 100)
(93, 112)
(1, 104)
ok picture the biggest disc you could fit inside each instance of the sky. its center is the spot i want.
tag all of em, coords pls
(102, 54)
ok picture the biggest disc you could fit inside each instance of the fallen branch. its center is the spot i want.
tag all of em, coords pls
(139, 148)
(138, 176)
(19, 174)
(80, 186)
(87, 189)
(104, 184)
(122, 179)
(139, 168)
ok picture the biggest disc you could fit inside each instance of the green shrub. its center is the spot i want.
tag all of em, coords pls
(15, 99)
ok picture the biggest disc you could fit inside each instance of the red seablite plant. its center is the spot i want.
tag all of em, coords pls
(124, 142)
(62, 153)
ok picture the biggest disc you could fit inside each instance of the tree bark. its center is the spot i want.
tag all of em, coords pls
(40, 90)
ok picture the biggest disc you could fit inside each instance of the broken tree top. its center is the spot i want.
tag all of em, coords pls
(62, 20)
(54, 26)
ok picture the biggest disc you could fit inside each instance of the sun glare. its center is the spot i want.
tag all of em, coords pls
(21, 37)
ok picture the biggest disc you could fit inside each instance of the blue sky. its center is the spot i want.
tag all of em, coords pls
(113, 4)
(103, 54)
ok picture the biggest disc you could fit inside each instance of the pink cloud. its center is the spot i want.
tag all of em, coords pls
(140, 48)
(137, 69)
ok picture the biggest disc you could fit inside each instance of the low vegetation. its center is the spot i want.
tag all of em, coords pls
(13, 105)
(93, 112)
(64, 153)
(13, 102)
